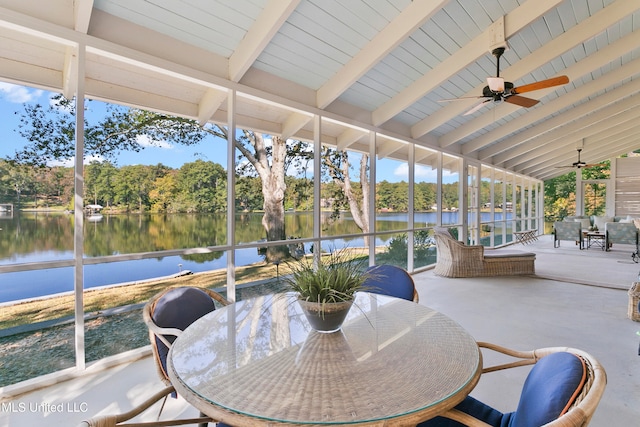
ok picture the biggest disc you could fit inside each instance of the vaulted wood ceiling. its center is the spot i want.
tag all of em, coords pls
(375, 64)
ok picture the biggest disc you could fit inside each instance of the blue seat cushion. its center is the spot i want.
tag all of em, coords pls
(474, 408)
(179, 308)
(549, 390)
(390, 280)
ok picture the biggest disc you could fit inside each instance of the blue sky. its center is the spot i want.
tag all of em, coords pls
(12, 98)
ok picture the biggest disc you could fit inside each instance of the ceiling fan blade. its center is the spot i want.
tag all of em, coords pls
(476, 108)
(521, 101)
(591, 165)
(460, 99)
(555, 81)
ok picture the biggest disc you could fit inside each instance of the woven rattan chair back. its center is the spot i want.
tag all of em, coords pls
(578, 414)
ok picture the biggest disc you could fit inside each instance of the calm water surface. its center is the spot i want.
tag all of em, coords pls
(37, 237)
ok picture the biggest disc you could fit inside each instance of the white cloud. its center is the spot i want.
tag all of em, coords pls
(70, 162)
(146, 141)
(402, 171)
(18, 94)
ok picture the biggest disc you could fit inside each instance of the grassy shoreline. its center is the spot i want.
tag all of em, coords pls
(100, 299)
(97, 300)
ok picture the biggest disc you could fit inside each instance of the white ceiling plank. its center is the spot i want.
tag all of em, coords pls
(586, 29)
(259, 35)
(586, 66)
(599, 121)
(517, 20)
(174, 55)
(545, 53)
(530, 152)
(590, 125)
(575, 113)
(386, 40)
(619, 147)
(551, 158)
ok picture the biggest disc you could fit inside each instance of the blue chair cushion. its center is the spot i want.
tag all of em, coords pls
(549, 390)
(179, 308)
(390, 280)
(474, 408)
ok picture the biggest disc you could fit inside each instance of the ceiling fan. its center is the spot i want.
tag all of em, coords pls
(497, 90)
(580, 164)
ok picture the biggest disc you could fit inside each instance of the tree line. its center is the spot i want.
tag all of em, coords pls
(196, 187)
(264, 172)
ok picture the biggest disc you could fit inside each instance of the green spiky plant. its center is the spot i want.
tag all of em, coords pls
(336, 277)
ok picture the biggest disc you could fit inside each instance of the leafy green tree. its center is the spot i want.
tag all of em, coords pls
(344, 192)
(299, 196)
(559, 197)
(203, 184)
(248, 194)
(19, 178)
(50, 132)
(450, 195)
(91, 175)
(105, 183)
(164, 196)
(392, 196)
(132, 186)
(424, 196)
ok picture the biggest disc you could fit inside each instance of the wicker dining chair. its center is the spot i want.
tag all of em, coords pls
(166, 315)
(563, 389)
(387, 279)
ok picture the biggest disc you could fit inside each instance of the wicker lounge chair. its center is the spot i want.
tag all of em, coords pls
(167, 314)
(562, 390)
(391, 280)
(455, 259)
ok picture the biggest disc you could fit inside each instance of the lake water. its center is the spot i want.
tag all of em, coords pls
(32, 238)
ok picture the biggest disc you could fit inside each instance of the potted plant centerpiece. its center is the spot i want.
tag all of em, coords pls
(326, 290)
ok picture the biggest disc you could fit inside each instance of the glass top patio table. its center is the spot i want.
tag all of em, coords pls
(258, 362)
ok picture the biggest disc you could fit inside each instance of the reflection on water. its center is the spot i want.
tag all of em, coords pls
(38, 237)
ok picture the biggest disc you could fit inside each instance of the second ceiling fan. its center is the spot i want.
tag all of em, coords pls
(497, 90)
(580, 164)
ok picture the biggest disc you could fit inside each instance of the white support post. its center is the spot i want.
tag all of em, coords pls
(78, 206)
(317, 182)
(372, 196)
(231, 195)
(411, 214)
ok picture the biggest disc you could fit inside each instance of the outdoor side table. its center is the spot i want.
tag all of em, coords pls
(258, 363)
(595, 238)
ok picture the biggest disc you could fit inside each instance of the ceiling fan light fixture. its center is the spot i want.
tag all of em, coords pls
(496, 84)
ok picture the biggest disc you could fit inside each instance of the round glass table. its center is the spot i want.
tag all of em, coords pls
(258, 362)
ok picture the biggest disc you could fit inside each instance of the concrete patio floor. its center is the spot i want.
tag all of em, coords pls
(552, 308)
